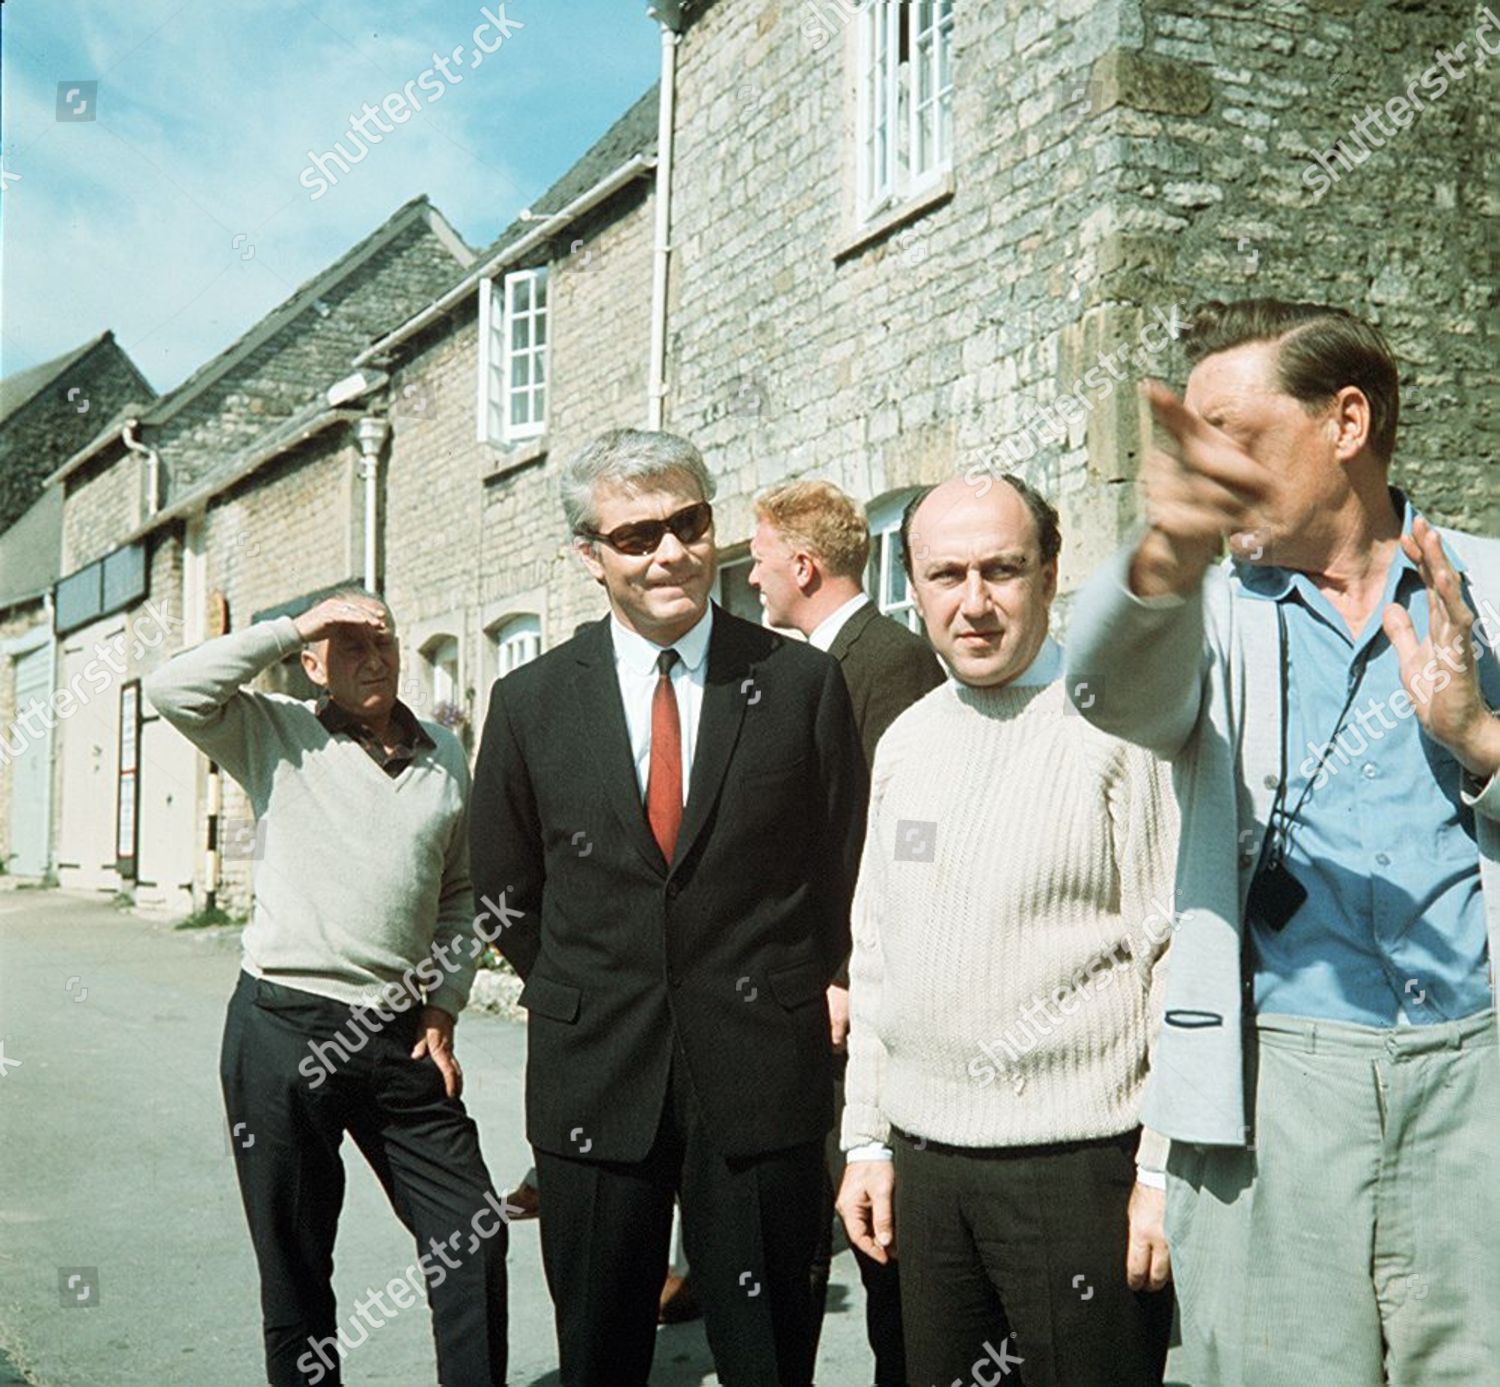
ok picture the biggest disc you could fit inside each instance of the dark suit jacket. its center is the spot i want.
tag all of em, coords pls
(731, 945)
(887, 668)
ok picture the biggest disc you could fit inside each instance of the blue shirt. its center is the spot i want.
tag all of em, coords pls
(1393, 927)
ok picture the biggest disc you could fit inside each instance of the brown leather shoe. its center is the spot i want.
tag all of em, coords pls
(678, 1303)
(522, 1203)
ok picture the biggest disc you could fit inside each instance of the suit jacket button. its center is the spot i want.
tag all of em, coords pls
(674, 889)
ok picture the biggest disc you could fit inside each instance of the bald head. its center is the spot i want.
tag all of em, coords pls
(983, 569)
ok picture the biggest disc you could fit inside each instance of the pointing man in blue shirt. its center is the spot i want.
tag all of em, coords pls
(1328, 1067)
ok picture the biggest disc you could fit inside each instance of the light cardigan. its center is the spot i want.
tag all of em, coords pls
(1010, 926)
(1196, 679)
(357, 873)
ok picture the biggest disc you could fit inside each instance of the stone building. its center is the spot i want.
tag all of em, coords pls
(883, 243)
(46, 412)
(536, 348)
(236, 493)
(914, 240)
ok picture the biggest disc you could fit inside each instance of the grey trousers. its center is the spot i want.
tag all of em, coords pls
(1358, 1244)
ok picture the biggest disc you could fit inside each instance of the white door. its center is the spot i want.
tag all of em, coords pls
(31, 772)
(170, 835)
(89, 741)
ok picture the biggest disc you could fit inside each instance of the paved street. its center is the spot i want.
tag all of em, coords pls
(116, 1179)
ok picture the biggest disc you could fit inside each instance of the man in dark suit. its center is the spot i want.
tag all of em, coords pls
(810, 549)
(668, 811)
(811, 545)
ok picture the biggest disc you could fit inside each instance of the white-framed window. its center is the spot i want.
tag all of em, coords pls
(515, 642)
(905, 108)
(886, 581)
(513, 356)
(441, 654)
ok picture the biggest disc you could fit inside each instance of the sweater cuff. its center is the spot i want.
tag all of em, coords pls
(1151, 1153)
(870, 1151)
(288, 638)
(863, 1125)
(450, 994)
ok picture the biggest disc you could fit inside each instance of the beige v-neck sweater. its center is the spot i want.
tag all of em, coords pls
(358, 874)
(1010, 925)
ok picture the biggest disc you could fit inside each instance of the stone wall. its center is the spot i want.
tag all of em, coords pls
(1113, 165)
(303, 357)
(474, 533)
(1401, 224)
(59, 420)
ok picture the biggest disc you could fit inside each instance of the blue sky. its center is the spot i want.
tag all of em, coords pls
(205, 114)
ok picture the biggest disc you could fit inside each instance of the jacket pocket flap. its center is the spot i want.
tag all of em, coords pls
(554, 1000)
(801, 983)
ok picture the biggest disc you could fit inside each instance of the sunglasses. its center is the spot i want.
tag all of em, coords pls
(689, 524)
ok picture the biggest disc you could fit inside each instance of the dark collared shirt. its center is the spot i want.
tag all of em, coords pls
(412, 738)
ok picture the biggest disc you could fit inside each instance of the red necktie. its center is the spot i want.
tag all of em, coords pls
(664, 779)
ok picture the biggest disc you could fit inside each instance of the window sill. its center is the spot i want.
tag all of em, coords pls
(894, 218)
(515, 458)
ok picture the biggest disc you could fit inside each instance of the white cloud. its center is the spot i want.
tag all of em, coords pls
(177, 217)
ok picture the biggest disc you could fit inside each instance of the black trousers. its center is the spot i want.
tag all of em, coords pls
(286, 1125)
(1013, 1261)
(749, 1227)
(881, 1280)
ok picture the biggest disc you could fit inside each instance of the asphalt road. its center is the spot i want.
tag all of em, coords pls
(124, 1260)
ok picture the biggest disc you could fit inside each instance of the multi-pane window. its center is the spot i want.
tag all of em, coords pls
(905, 116)
(513, 357)
(886, 581)
(515, 643)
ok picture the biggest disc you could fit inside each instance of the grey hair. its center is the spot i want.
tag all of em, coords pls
(357, 590)
(632, 457)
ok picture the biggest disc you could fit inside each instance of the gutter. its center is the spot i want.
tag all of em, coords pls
(634, 167)
(661, 257)
(252, 462)
(153, 465)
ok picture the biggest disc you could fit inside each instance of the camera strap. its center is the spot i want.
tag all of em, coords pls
(1280, 820)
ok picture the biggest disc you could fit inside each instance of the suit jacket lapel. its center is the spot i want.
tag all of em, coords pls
(728, 689)
(601, 727)
(852, 629)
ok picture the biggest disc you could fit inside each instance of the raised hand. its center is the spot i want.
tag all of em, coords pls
(1441, 673)
(1200, 488)
(318, 623)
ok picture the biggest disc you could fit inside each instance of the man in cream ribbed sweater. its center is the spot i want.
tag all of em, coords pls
(357, 960)
(1010, 933)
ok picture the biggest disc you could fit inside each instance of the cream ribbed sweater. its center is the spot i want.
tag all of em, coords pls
(1010, 924)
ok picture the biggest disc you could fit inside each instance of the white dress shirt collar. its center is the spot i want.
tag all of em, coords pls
(639, 655)
(826, 631)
